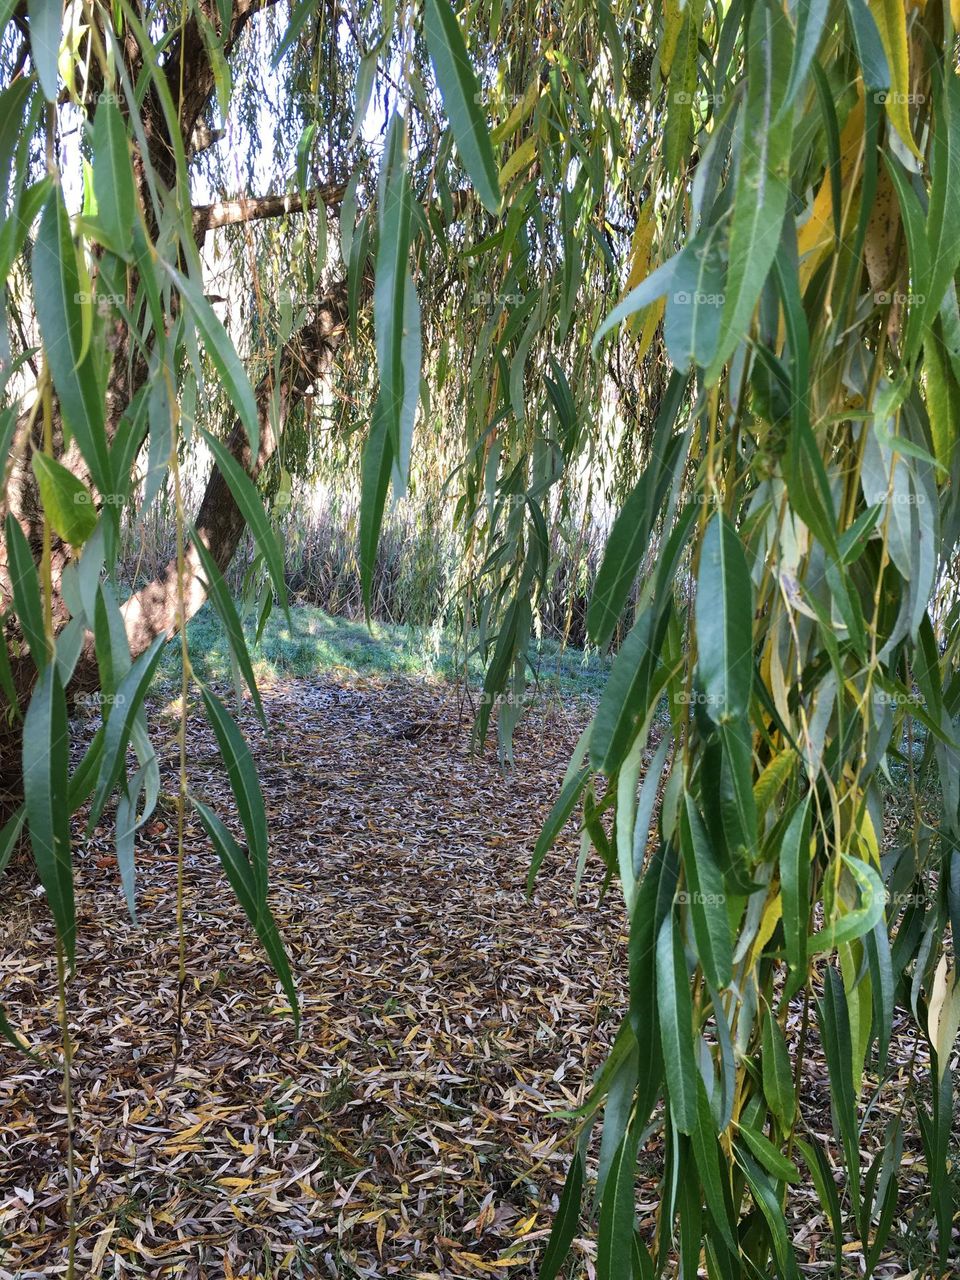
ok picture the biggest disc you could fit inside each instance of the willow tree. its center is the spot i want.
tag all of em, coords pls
(772, 404)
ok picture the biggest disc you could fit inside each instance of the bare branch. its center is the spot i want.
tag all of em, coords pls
(207, 217)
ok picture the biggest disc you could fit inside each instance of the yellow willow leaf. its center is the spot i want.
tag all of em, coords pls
(859, 1008)
(816, 235)
(778, 683)
(869, 844)
(672, 22)
(521, 159)
(641, 245)
(521, 110)
(943, 1014)
(947, 1028)
(955, 12)
(771, 781)
(653, 317)
(891, 19)
(771, 916)
(641, 256)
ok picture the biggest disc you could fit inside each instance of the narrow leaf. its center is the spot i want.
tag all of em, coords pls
(724, 623)
(676, 1027)
(460, 92)
(46, 736)
(566, 1222)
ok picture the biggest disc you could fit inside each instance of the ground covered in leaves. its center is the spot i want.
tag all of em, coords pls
(412, 1129)
(409, 1130)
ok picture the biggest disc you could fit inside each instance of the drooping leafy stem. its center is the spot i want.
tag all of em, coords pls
(182, 789)
(180, 522)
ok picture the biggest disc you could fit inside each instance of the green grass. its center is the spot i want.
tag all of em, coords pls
(318, 643)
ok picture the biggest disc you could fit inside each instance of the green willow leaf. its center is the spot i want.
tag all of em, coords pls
(943, 226)
(460, 92)
(566, 1222)
(244, 784)
(834, 1022)
(9, 835)
(695, 303)
(795, 892)
(46, 17)
(390, 305)
(26, 590)
(14, 231)
(113, 174)
(768, 1203)
(223, 353)
(243, 881)
(563, 807)
(870, 54)
(675, 1011)
(631, 691)
(66, 500)
(46, 740)
(818, 1165)
(376, 465)
(706, 898)
(221, 599)
(831, 127)
(248, 500)
(84, 777)
(778, 1165)
(411, 356)
(709, 1160)
(854, 924)
(7, 687)
(300, 15)
(127, 701)
(811, 17)
(59, 299)
(654, 903)
(654, 286)
(763, 177)
(911, 217)
(615, 1234)
(777, 1075)
(629, 539)
(724, 623)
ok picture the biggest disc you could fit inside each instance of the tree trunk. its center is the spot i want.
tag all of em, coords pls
(154, 609)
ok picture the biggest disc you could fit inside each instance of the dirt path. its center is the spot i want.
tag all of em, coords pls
(408, 1131)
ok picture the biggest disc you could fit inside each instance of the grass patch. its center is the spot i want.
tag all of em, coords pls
(318, 642)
